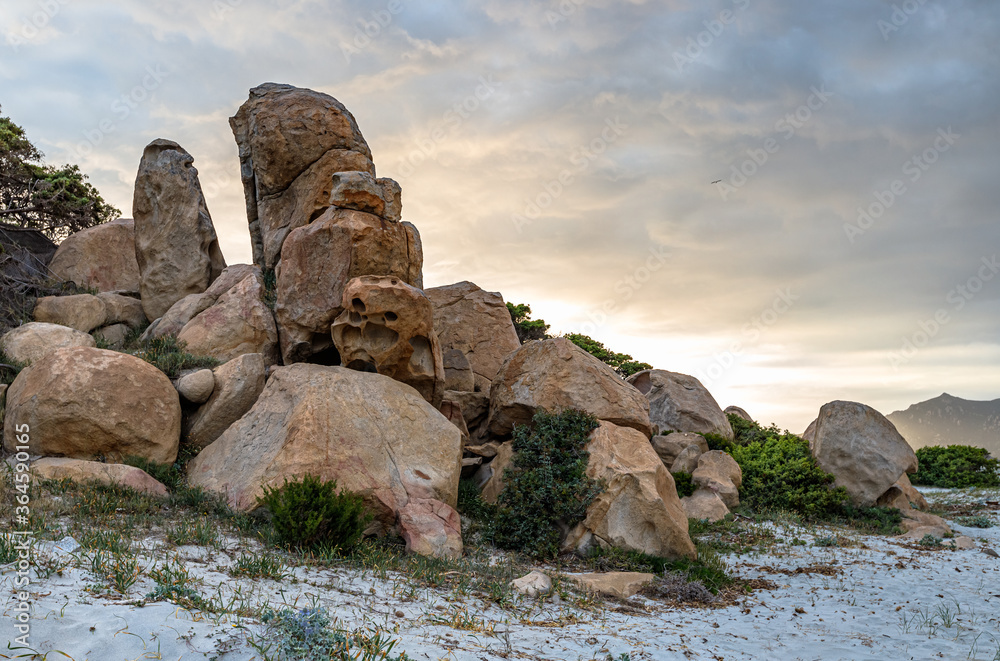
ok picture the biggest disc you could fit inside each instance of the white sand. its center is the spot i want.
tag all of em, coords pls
(885, 601)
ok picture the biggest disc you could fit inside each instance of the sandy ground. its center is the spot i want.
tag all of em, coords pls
(880, 598)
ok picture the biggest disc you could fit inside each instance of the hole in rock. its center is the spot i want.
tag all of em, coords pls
(358, 304)
(362, 366)
(391, 316)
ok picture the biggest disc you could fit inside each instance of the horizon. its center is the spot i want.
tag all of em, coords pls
(794, 204)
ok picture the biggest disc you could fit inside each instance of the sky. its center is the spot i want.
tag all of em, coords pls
(562, 152)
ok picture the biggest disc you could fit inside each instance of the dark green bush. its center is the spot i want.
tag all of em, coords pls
(717, 442)
(956, 467)
(526, 327)
(685, 486)
(622, 363)
(780, 473)
(168, 354)
(747, 431)
(311, 512)
(547, 489)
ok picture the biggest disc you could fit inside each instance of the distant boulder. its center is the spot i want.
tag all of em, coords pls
(678, 402)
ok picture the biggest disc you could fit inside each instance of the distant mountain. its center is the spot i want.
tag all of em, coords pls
(948, 420)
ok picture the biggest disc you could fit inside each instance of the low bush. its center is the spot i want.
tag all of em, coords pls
(779, 473)
(310, 513)
(717, 442)
(168, 354)
(685, 485)
(547, 489)
(956, 467)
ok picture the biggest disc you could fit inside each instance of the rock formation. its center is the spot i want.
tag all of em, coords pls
(175, 243)
(100, 257)
(678, 402)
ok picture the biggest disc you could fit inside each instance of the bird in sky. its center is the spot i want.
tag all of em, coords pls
(717, 181)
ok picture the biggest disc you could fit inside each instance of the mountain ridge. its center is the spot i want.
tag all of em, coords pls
(950, 420)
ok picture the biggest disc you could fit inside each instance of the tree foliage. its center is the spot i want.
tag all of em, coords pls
(622, 363)
(957, 467)
(526, 327)
(56, 201)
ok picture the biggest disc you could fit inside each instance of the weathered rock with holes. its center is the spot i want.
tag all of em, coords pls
(317, 262)
(678, 402)
(238, 384)
(704, 505)
(387, 327)
(555, 375)
(239, 322)
(719, 473)
(175, 242)
(639, 509)
(861, 449)
(292, 142)
(477, 323)
(180, 313)
(81, 471)
(83, 403)
(196, 387)
(670, 446)
(30, 342)
(372, 434)
(100, 257)
(432, 528)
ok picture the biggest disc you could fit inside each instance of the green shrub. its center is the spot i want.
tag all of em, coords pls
(717, 442)
(270, 288)
(684, 483)
(747, 431)
(620, 362)
(526, 327)
(956, 467)
(779, 472)
(310, 513)
(168, 355)
(547, 489)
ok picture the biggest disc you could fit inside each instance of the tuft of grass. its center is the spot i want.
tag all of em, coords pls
(263, 566)
(112, 541)
(309, 634)
(168, 354)
(202, 533)
(976, 521)
(685, 485)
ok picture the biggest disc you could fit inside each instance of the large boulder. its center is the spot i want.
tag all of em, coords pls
(737, 411)
(430, 527)
(719, 473)
(556, 375)
(237, 385)
(639, 509)
(81, 471)
(180, 313)
(704, 505)
(670, 446)
(292, 142)
(477, 323)
(678, 402)
(371, 434)
(387, 327)
(84, 403)
(83, 312)
(318, 261)
(30, 342)
(176, 247)
(861, 449)
(100, 257)
(239, 322)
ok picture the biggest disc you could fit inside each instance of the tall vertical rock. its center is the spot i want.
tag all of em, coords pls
(292, 141)
(175, 242)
